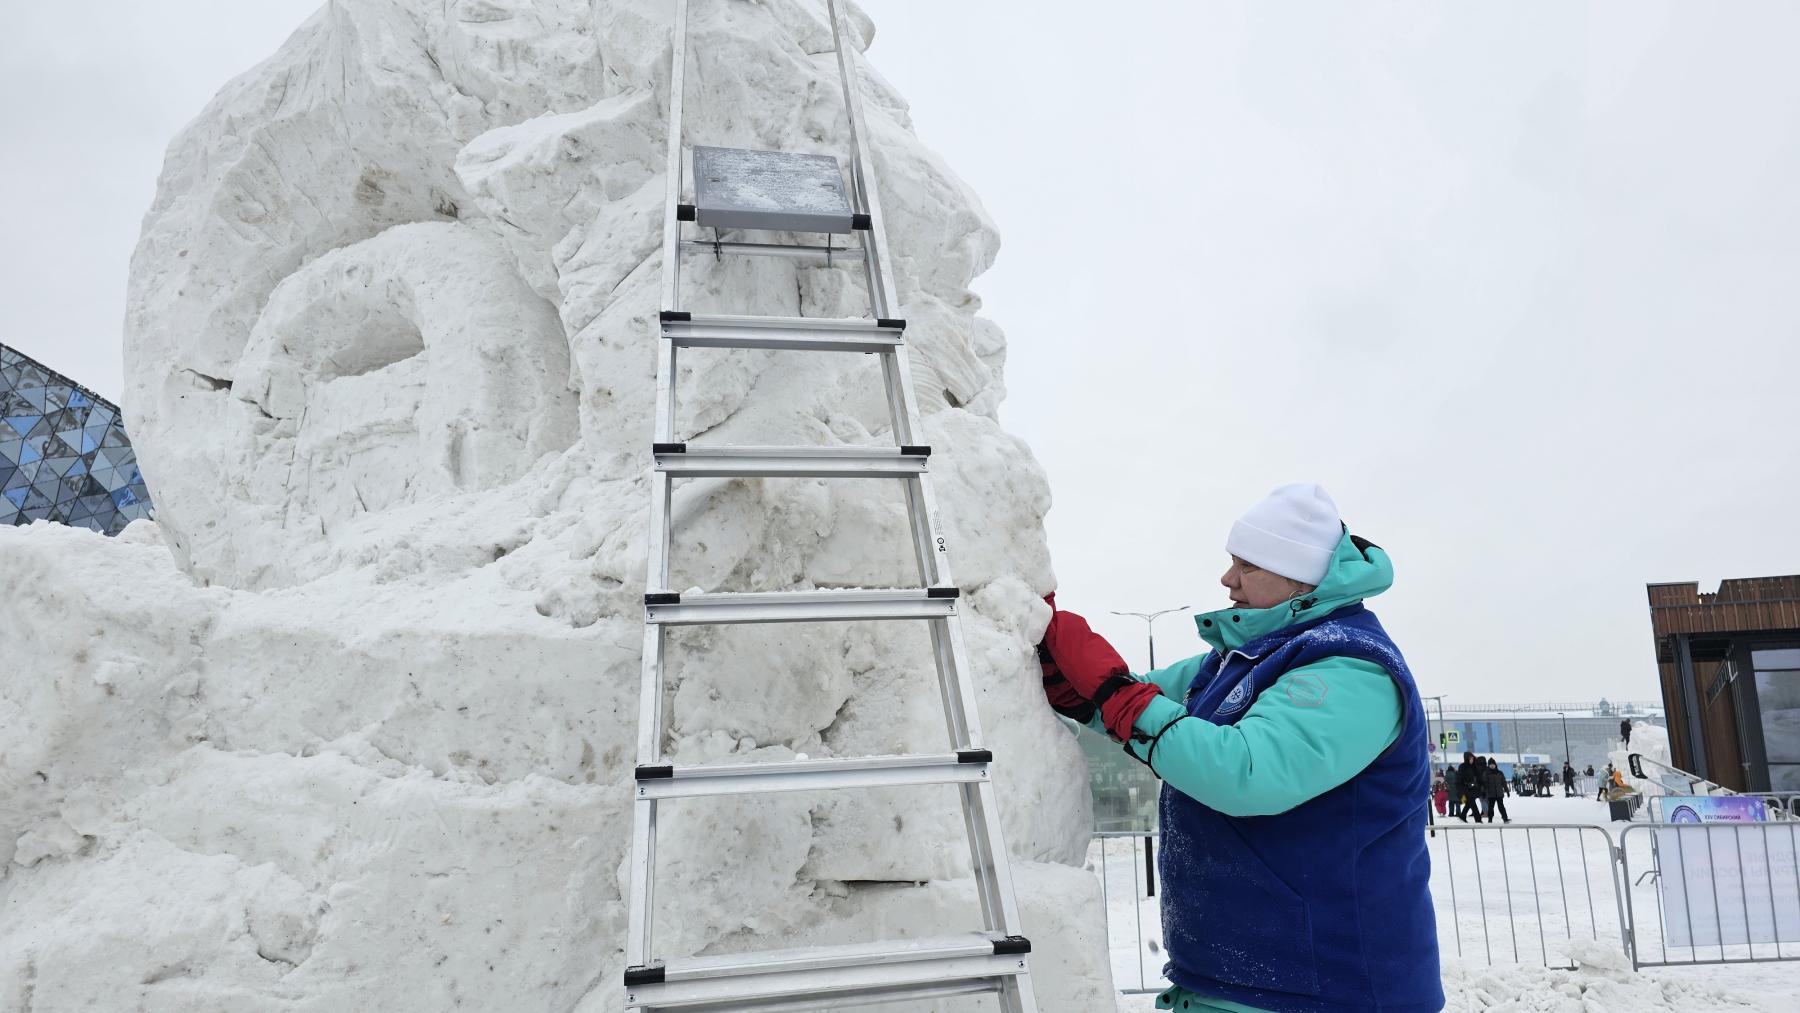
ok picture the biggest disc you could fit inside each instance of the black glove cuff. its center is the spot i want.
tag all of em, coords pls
(1114, 682)
(1081, 714)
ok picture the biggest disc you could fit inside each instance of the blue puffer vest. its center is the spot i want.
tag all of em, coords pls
(1323, 908)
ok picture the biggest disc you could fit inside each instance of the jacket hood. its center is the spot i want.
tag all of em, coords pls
(1359, 569)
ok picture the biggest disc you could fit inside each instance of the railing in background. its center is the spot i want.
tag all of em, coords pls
(1126, 863)
(1524, 892)
(1717, 890)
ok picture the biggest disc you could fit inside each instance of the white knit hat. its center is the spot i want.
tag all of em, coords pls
(1294, 531)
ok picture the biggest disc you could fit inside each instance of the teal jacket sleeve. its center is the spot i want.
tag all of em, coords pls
(1315, 728)
(1173, 681)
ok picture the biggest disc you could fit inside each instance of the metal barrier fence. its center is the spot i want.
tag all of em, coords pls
(1717, 890)
(1524, 892)
(1126, 864)
(1713, 893)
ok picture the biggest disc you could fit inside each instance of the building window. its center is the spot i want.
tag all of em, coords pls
(1778, 697)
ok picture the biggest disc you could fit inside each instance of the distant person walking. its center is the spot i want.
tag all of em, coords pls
(1496, 791)
(1625, 732)
(1605, 782)
(1468, 789)
(1568, 780)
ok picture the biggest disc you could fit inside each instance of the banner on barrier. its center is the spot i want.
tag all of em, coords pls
(1714, 809)
(1729, 882)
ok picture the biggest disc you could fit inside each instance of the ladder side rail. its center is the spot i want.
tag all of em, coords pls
(993, 867)
(661, 491)
(639, 917)
(875, 247)
(896, 382)
(673, 169)
(984, 827)
(946, 634)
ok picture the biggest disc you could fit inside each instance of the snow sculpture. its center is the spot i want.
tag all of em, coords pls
(351, 726)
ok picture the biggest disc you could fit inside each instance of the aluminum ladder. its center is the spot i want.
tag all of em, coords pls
(993, 960)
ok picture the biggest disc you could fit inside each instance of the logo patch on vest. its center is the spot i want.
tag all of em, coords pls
(1237, 700)
(1305, 689)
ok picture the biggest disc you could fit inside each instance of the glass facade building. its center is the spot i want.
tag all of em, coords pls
(63, 452)
(1730, 667)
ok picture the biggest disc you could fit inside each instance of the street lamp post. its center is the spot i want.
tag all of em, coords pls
(1568, 754)
(1149, 619)
(1439, 700)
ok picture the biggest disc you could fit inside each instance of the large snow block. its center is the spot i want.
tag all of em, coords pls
(353, 725)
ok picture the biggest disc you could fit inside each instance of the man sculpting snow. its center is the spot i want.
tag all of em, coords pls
(1295, 774)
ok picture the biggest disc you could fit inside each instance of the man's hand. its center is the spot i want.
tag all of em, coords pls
(1096, 672)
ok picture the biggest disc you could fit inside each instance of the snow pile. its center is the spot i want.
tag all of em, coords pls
(1605, 983)
(352, 728)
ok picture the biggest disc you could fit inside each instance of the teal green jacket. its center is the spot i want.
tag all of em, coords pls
(1287, 748)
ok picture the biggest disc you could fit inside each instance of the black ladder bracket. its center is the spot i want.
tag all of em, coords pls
(899, 322)
(668, 448)
(655, 772)
(974, 756)
(915, 450)
(662, 598)
(652, 975)
(1012, 944)
(861, 223)
(943, 592)
(684, 212)
(675, 316)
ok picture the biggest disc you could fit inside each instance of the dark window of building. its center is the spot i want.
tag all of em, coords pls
(1778, 697)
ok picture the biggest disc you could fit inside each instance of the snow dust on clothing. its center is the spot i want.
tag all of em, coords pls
(1302, 779)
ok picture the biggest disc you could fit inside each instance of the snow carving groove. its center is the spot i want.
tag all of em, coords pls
(351, 726)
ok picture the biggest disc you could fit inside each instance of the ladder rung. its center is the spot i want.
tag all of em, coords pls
(842, 974)
(813, 334)
(840, 1000)
(721, 608)
(811, 775)
(792, 462)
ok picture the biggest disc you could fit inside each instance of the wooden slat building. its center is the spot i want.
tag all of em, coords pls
(1730, 667)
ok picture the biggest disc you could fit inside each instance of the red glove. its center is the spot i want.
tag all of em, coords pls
(1097, 672)
(1063, 698)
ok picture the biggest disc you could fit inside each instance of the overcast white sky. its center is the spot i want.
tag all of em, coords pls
(1515, 282)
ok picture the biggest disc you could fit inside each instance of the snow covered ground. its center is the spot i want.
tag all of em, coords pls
(1509, 901)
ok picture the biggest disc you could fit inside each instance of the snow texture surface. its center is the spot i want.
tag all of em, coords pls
(351, 726)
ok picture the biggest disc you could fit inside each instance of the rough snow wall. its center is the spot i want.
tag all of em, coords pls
(352, 728)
